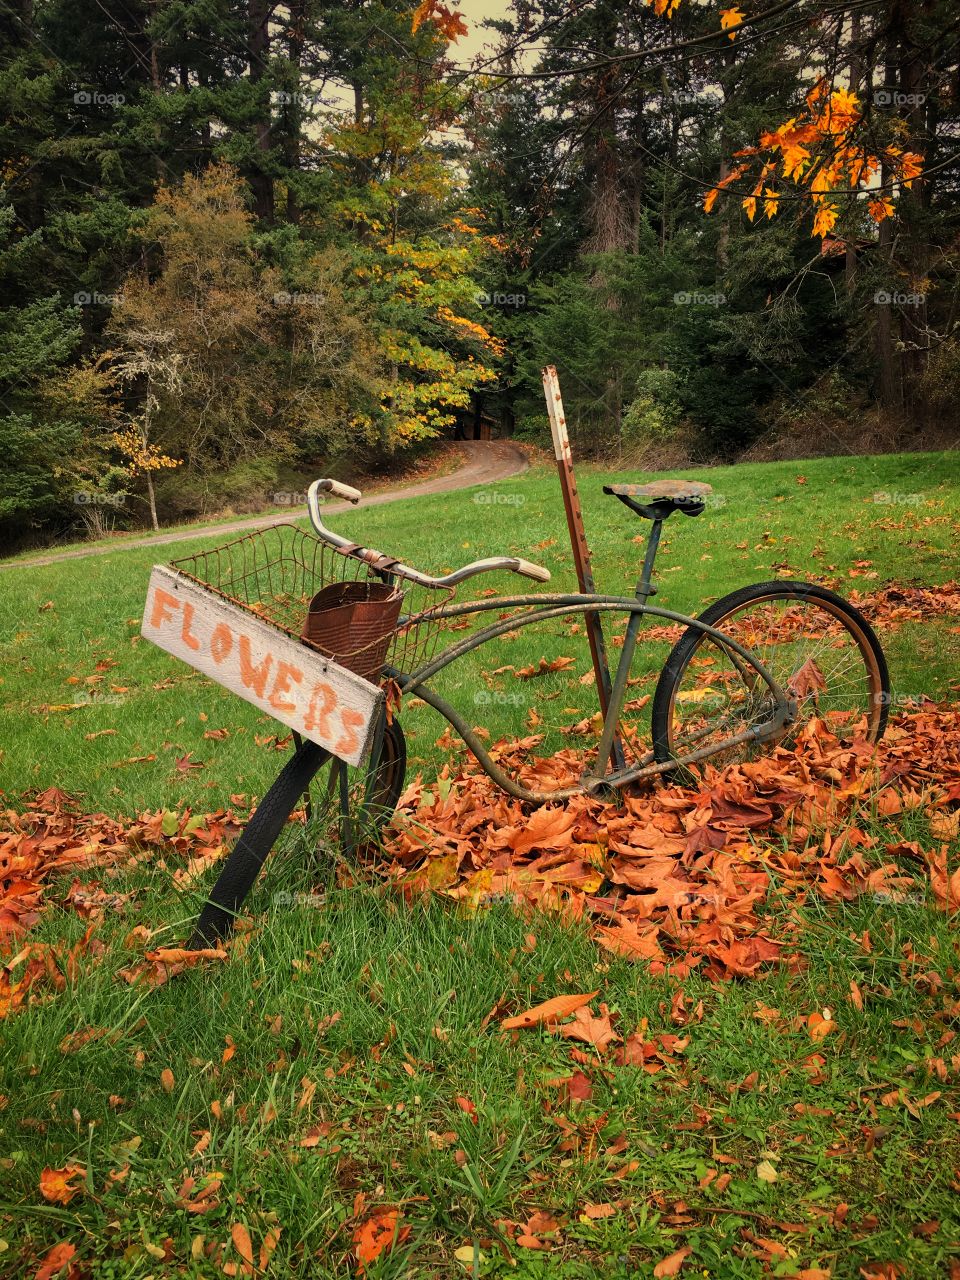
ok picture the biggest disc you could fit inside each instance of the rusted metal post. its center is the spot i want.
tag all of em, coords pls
(578, 541)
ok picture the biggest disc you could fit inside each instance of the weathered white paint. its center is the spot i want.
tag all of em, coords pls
(255, 660)
(558, 421)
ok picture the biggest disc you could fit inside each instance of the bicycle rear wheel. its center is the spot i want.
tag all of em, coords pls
(818, 647)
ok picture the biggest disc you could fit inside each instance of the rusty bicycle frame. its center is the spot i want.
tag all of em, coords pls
(545, 607)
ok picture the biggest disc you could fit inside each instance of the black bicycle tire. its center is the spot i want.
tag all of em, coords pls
(385, 806)
(248, 855)
(686, 646)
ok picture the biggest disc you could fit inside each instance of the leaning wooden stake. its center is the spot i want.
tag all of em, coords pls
(578, 540)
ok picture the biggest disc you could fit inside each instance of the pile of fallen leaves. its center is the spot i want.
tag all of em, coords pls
(710, 877)
(682, 877)
(50, 839)
(896, 603)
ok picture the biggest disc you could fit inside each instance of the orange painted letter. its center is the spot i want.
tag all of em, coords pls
(322, 702)
(254, 678)
(186, 635)
(281, 685)
(163, 605)
(221, 642)
(352, 720)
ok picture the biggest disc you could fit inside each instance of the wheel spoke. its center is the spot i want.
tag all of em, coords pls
(817, 654)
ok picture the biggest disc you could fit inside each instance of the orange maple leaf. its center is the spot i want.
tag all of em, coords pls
(730, 19)
(881, 209)
(59, 1186)
(448, 22)
(825, 219)
(377, 1235)
(55, 1261)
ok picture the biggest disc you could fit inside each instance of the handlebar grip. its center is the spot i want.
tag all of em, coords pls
(339, 490)
(535, 571)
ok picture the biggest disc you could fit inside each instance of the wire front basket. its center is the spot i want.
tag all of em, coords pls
(285, 575)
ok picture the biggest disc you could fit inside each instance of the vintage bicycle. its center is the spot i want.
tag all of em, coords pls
(316, 630)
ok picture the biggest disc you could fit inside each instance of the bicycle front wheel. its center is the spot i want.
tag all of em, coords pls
(821, 651)
(366, 797)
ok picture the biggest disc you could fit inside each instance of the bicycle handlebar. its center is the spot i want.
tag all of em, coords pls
(377, 559)
(339, 488)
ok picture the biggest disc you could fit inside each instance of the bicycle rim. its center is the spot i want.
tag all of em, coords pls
(819, 649)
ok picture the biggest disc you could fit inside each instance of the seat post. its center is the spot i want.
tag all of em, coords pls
(645, 586)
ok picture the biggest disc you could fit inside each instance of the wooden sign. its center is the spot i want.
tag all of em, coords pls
(296, 685)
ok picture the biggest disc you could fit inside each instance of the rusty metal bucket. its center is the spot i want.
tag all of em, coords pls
(353, 622)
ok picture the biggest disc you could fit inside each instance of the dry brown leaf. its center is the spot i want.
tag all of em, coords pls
(671, 1266)
(54, 1261)
(59, 1186)
(242, 1242)
(549, 1011)
(377, 1235)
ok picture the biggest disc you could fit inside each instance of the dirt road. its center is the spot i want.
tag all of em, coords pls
(487, 462)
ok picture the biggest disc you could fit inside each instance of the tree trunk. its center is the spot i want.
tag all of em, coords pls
(856, 74)
(258, 50)
(914, 204)
(152, 501)
(295, 43)
(891, 384)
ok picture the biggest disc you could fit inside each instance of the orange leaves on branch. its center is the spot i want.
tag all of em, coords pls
(664, 8)
(824, 219)
(447, 21)
(881, 209)
(730, 19)
(140, 454)
(819, 151)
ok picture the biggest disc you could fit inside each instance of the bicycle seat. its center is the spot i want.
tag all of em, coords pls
(660, 498)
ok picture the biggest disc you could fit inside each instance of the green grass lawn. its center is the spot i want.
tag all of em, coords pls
(58, 622)
(357, 1021)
